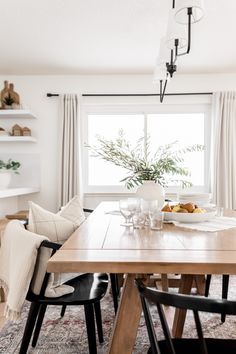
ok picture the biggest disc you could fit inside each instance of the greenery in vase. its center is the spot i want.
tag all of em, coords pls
(9, 165)
(161, 167)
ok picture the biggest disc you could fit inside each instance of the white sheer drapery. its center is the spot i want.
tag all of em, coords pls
(224, 151)
(69, 148)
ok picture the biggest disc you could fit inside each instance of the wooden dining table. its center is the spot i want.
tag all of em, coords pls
(101, 244)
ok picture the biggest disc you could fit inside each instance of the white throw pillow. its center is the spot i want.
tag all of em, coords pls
(57, 227)
(73, 211)
(46, 223)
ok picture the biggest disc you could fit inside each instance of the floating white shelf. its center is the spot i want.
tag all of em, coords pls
(16, 113)
(6, 138)
(12, 192)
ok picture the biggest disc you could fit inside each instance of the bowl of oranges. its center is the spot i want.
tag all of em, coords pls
(188, 212)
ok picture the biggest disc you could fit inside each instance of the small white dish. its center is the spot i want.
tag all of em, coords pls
(190, 217)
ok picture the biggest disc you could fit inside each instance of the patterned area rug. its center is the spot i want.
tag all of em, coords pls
(67, 335)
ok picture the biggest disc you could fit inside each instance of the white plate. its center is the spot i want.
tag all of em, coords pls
(190, 217)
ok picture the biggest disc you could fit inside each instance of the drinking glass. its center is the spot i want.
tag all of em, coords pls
(156, 217)
(219, 210)
(146, 207)
(133, 204)
(128, 207)
(138, 219)
(145, 211)
(125, 212)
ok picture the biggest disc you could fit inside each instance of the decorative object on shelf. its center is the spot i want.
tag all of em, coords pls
(3, 132)
(5, 179)
(4, 92)
(26, 131)
(9, 98)
(10, 165)
(14, 95)
(6, 169)
(165, 163)
(16, 130)
(177, 42)
(8, 102)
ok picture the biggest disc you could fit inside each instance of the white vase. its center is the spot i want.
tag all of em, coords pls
(150, 190)
(5, 179)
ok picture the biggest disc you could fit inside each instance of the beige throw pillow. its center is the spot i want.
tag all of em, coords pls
(57, 227)
(54, 226)
(73, 211)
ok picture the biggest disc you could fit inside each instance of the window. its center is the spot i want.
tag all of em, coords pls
(187, 124)
(187, 129)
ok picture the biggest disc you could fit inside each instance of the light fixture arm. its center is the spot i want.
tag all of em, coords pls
(189, 13)
(171, 66)
(162, 89)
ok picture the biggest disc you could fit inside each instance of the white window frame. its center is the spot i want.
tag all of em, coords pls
(144, 109)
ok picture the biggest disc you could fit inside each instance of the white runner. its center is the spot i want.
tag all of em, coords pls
(218, 223)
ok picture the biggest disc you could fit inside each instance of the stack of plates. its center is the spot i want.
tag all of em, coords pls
(201, 199)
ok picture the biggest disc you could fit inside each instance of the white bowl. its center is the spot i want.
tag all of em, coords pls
(190, 217)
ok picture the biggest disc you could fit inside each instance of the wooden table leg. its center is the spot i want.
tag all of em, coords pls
(164, 282)
(200, 284)
(127, 319)
(179, 318)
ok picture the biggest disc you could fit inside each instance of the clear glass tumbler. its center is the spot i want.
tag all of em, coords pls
(156, 217)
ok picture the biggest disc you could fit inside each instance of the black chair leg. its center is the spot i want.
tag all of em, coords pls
(115, 290)
(63, 310)
(207, 286)
(38, 326)
(90, 324)
(225, 286)
(98, 316)
(29, 327)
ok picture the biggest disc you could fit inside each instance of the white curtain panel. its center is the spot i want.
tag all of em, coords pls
(70, 149)
(224, 151)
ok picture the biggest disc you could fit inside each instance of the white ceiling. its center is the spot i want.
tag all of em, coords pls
(108, 37)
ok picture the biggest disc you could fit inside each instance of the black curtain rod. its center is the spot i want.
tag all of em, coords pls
(135, 94)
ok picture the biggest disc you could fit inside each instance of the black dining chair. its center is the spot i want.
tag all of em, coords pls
(115, 286)
(169, 345)
(89, 288)
(225, 287)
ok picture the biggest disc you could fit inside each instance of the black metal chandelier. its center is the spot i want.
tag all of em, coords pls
(178, 39)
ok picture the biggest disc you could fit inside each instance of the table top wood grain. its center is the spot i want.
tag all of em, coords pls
(102, 244)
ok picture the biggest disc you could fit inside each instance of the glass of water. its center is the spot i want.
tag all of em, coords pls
(128, 208)
(156, 217)
(138, 219)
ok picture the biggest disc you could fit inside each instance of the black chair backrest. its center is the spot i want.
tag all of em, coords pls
(187, 302)
(54, 247)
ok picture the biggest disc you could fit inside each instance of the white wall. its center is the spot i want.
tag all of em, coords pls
(33, 89)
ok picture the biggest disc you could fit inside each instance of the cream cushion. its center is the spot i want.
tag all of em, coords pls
(73, 211)
(57, 227)
(54, 226)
